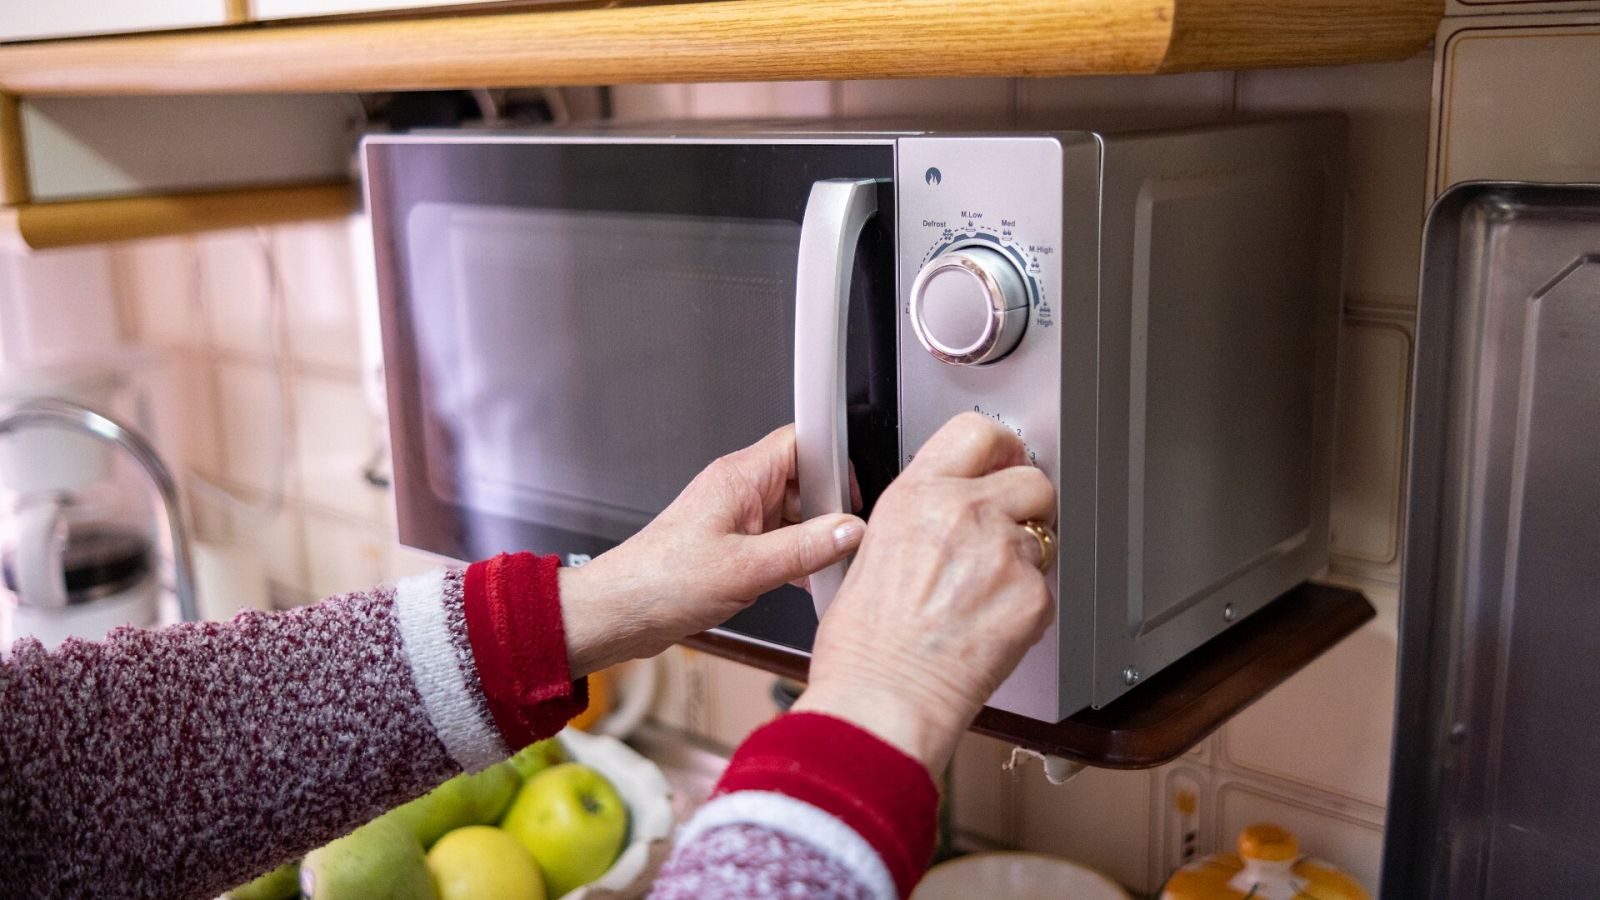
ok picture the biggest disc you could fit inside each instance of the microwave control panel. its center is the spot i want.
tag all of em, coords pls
(970, 302)
(980, 234)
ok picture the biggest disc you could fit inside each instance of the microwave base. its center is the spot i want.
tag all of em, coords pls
(1170, 712)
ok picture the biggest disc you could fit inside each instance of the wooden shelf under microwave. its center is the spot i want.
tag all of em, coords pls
(617, 43)
(1173, 710)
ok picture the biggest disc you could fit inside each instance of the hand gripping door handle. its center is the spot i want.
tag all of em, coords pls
(835, 214)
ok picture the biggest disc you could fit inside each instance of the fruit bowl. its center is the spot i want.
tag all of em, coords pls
(649, 799)
(562, 815)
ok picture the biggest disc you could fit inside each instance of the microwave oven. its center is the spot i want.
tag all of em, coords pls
(574, 324)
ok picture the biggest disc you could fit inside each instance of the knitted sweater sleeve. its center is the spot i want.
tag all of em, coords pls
(810, 806)
(179, 762)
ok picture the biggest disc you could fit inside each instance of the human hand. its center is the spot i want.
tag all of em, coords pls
(944, 597)
(733, 534)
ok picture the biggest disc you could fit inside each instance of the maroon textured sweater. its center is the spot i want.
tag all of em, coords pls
(178, 762)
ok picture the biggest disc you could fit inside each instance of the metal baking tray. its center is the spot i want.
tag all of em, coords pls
(1496, 784)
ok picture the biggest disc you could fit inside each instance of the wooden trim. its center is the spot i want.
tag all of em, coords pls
(1240, 34)
(1173, 710)
(238, 12)
(14, 188)
(71, 223)
(728, 40)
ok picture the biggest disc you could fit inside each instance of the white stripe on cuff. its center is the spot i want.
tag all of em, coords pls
(800, 820)
(453, 705)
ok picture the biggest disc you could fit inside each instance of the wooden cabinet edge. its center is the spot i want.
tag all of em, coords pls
(1237, 34)
(13, 158)
(41, 226)
(728, 40)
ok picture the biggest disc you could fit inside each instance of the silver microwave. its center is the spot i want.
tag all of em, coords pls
(574, 324)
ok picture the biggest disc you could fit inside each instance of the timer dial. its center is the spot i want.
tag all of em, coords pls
(969, 306)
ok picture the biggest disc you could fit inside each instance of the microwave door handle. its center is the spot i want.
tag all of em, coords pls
(836, 211)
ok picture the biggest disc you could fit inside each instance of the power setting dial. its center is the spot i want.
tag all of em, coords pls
(969, 306)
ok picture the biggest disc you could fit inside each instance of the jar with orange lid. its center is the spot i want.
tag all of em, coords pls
(1268, 866)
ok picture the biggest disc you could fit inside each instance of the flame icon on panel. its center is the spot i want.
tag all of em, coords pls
(932, 177)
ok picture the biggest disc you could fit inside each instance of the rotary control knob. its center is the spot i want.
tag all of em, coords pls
(969, 306)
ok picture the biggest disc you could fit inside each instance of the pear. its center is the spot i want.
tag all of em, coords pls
(537, 757)
(464, 800)
(281, 883)
(378, 861)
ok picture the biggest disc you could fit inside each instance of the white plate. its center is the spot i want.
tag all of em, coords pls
(1015, 876)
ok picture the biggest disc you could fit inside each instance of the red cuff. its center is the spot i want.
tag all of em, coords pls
(880, 792)
(513, 611)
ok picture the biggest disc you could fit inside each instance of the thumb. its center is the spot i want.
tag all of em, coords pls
(795, 551)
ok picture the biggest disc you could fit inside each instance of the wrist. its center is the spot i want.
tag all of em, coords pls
(600, 619)
(924, 730)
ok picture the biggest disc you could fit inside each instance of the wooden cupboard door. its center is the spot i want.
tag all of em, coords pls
(22, 20)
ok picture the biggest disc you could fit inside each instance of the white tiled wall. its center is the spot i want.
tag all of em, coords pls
(330, 460)
(1515, 94)
(253, 320)
(1500, 7)
(259, 387)
(1128, 101)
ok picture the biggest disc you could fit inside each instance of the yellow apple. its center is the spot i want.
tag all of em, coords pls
(572, 821)
(484, 863)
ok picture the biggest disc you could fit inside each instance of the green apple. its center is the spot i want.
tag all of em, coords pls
(279, 884)
(486, 794)
(572, 821)
(537, 757)
(378, 861)
(483, 863)
(477, 799)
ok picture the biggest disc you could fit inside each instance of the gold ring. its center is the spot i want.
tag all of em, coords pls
(1047, 543)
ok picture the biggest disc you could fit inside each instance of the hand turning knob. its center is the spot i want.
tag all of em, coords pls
(969, 306)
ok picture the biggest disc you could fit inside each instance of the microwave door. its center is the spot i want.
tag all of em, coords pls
(836, 212)
(573, 330)
(582, 363)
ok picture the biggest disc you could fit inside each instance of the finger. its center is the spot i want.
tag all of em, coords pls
(769, 463)
(968, 446)
(791, 503)
(1021, 492)
(795, 551)
(1029, 548)
(855, 491)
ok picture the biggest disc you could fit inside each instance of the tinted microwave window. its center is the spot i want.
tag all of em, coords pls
(580, 367)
